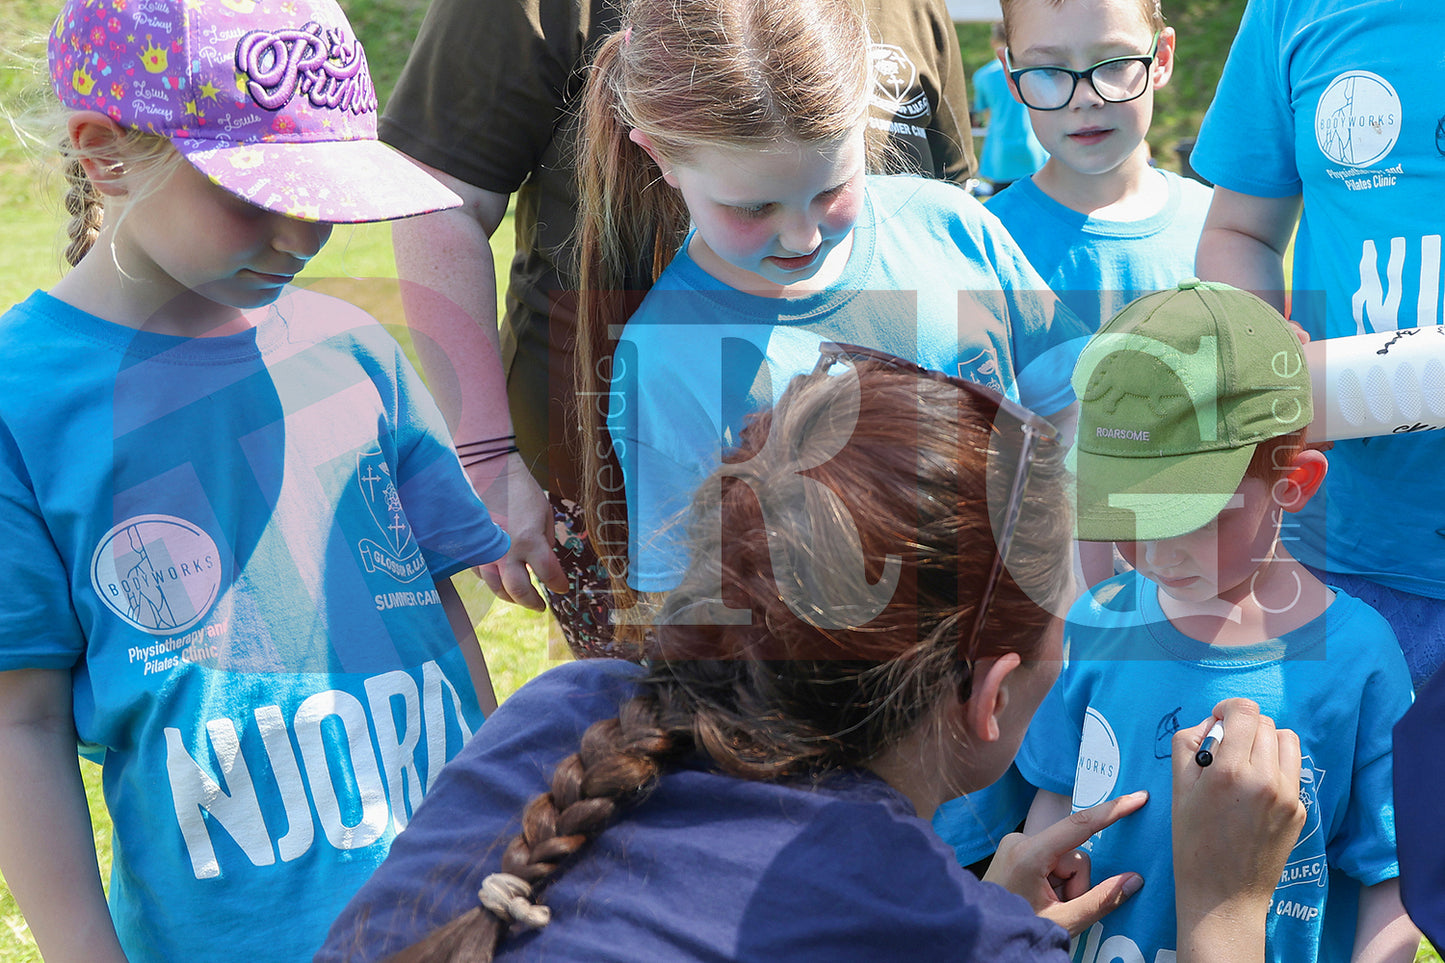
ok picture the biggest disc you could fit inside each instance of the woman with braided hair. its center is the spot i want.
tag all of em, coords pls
(848, 649)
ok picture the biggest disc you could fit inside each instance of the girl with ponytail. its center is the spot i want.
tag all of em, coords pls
(731, 139)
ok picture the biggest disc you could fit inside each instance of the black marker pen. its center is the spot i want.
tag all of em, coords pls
(1205, 755)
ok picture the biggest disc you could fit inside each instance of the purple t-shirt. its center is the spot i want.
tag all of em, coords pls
(709, 867)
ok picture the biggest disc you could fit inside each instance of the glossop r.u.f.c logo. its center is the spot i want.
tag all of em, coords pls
(896, 89)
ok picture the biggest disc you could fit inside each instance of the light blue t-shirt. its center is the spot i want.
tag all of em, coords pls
(231, 542)
(1011, 150)
(1131, 680)
(931, 277)
(975, 823)
(1096, 265)
(1332, 101)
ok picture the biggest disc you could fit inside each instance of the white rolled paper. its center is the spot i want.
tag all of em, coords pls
(1387, 383)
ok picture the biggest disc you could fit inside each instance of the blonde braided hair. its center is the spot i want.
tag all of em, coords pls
(87, 212)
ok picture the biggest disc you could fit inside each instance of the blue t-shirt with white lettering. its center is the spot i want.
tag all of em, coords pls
(1326, 100)
(231, 542)
(1131, 680)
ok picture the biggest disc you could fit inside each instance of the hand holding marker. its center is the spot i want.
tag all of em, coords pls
(1205, 755)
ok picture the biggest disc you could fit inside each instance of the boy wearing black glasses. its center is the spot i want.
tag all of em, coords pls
(1097, 221)
(1190, 458)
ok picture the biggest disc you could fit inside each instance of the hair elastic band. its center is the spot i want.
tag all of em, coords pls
(476, 452)
(469, 459)
(509, 898)
(485, 442)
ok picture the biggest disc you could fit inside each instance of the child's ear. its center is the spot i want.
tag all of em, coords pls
(645, 142)
(989, 696)
(1305, 476)
(99, 139)
(1164, 58)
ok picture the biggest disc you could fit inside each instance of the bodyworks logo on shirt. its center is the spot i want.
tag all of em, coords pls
(1357, 123)
(159, 573)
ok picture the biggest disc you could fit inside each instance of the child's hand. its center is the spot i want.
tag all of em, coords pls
(1052, 873)
(521, 507)
(1236, 821)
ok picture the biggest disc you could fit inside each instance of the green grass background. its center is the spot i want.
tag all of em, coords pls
(516, 642)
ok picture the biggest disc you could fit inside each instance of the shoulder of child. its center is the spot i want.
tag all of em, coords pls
(1360, 631)
(1194, 195)
(23, 312)
(1107, 601)
(911, 196)
(1022, 199)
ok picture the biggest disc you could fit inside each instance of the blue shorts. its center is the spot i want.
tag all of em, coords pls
(1418, 621)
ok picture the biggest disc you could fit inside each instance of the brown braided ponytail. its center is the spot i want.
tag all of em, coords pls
(136, 161)
(136, 164)
(618, 762)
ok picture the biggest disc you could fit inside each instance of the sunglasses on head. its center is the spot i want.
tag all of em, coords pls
(1035, 431)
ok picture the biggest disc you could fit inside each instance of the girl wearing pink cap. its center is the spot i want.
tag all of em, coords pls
(231, 508)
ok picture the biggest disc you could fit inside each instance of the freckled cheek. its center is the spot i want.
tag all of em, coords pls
(743, 236)
(232, 236)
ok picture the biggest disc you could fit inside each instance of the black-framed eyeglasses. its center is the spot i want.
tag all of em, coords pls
(1035, 430)
(1116, 80)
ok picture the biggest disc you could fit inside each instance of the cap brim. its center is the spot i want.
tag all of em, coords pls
(339, 182)
(1145, 499)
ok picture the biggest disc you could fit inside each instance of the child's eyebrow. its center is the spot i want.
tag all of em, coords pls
(751, 202)
(1100, 49)
(1043, 51)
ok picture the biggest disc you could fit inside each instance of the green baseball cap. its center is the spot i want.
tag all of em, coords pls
(1174, 395)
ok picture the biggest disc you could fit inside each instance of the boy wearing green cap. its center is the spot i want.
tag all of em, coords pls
(1190, 458)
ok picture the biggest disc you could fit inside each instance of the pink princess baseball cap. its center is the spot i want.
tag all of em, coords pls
(270, 99)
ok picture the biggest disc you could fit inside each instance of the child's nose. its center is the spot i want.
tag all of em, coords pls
(1163, 553)
(1085, 95)
(801, 235)
(301, 239)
